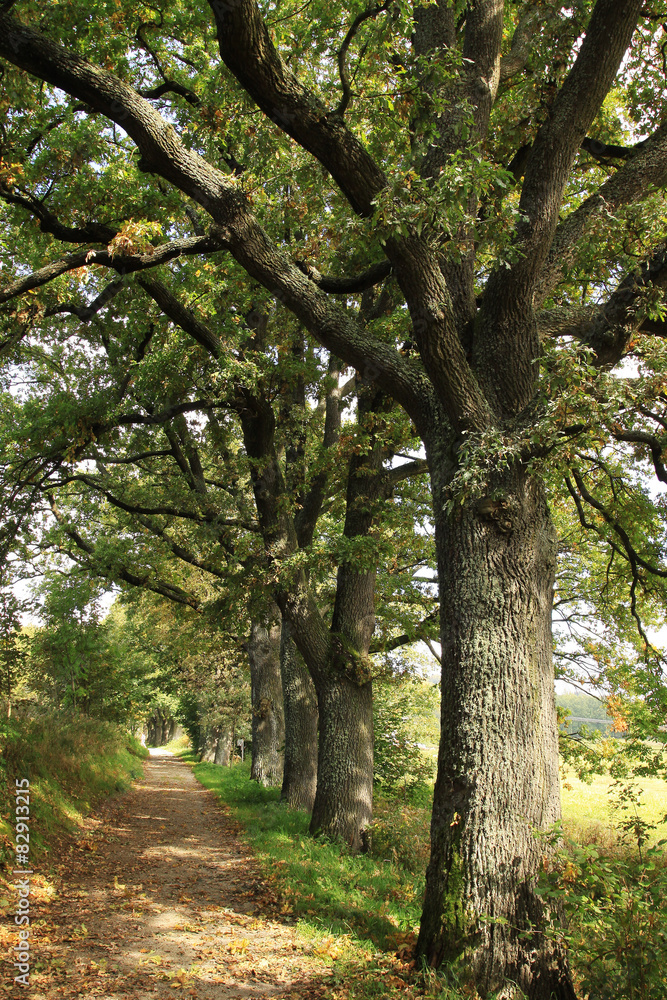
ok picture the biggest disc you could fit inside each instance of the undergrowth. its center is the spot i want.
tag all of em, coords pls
(363, 912)
(71, 763)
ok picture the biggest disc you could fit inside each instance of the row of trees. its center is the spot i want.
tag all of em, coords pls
(234, 312)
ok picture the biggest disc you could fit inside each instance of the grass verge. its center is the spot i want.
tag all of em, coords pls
(362, 912)
(71, 763)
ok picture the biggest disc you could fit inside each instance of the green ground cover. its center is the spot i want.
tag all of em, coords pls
(71, 763)
(590, 815)
(364, 911)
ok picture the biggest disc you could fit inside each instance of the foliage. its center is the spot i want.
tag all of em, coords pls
(82, 662)
(405, 718)
(14, 644)
(401, 830)
(614, 922)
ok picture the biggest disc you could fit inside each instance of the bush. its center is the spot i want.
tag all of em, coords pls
(404, 714)
(614, 921)
(401, 834)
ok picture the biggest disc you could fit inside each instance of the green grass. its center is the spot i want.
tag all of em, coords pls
(71, 762)
(589, 814)
(181, 747)
(372, 897)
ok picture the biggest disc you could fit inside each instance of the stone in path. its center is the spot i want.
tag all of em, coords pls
(161, 899)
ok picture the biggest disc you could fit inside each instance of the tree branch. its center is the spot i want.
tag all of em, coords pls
(121, 573)
(499, 348)
(122, 263)
(340, 286)
(86, 313)
(162, 511)
(182, 316)
(631, 553)
(523, 42)
(92, 232)
(609, 328)
(645, 169)
(250, 55)
(394, 476)
(222, 197)
(342, 53)
(656, 447)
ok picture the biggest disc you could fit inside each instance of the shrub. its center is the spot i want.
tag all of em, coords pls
(613, 919)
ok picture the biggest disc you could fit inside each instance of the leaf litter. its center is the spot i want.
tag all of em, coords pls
(160, 897)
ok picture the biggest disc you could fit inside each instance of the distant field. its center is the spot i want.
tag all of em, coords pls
(588, 813)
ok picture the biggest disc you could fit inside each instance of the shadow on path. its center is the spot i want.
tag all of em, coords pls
(161, 899)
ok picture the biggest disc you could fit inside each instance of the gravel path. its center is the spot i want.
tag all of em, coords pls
(160, 899)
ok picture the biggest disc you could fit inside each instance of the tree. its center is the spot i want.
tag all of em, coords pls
(499, 190)
(192, 499)
(13, 652)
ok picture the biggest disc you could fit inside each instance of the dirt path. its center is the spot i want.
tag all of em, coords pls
(161, 899)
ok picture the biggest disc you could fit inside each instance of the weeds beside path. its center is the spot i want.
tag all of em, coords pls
(161, 898)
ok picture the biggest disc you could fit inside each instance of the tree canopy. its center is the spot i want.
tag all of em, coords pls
(209, 213)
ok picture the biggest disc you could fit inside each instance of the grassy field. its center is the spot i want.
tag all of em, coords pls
(589, 814)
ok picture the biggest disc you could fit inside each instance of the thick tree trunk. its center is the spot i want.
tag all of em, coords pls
(497, 778)
(268, 721)
(208, 742)
(344, 799)
(300, 702)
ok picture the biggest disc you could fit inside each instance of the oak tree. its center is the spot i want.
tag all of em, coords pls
(494, 170)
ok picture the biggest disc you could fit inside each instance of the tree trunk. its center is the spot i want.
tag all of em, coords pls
(344, 799)
(268, 721)
(498, 761)
(300, 702)
(209, 742)
(223, 748)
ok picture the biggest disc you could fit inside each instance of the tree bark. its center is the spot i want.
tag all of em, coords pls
(300, 702)
(344, 800)
(497, 778)
(223, 749)
(268, 721)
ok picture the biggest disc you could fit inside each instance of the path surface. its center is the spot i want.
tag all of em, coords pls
(161, 899)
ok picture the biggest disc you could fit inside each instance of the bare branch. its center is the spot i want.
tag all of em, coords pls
(342, 53)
